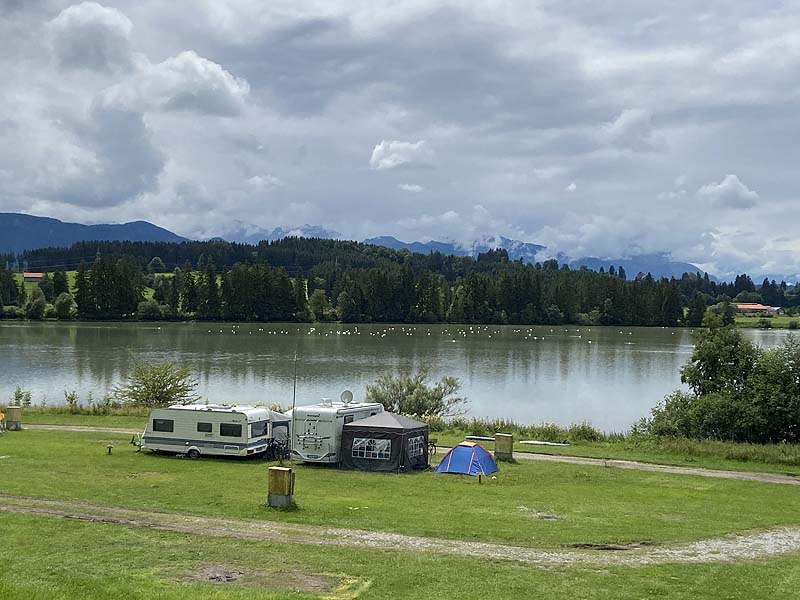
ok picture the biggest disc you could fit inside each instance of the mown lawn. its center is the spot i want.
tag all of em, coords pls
(595, 504)
(768, 458)
(776, 322)
(707, 454)
(47, 559)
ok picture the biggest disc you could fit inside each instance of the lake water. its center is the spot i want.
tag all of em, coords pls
(609, 376)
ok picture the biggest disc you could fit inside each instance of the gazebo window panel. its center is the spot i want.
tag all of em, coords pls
(416, 446)
(372, 448)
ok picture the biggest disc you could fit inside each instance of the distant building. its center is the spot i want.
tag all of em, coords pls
(753, 308)
(33, 277)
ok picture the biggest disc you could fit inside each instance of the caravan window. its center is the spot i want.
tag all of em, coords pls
(371, 448)
(416, 446)
(230, 430)
(163, 425)
(258, 429)
(204, 427)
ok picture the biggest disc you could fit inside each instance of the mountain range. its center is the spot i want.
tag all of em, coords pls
(245, 233)
(22, 232)
(516, 250)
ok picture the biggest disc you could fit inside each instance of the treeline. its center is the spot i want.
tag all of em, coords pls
(308, 280)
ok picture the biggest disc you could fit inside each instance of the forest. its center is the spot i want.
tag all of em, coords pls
(301, 279)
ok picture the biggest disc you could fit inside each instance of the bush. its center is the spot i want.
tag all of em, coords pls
(13, 312)
(36, 305)
(65, 306)
(159, 384)
(764, 323)
(794, 324)
(71, 398)
(148, 310)
(741, 393)
(410, 394)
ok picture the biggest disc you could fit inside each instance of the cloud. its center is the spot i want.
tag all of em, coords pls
(183, 82)
(116, 161)
(728, 193)
(264, 182)
(510, 102)
(410, 187)
(571, 187)
(395, 154)
(91, 36)
(632, 130)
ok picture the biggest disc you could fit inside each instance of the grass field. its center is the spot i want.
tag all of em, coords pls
(30, 285)
(598, 505)
(49, 558)
(776, 322)
(771, 458)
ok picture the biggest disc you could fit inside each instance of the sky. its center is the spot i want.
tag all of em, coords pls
(596, 129)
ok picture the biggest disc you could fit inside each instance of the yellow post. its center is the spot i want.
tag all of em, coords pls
(504, 446)
(281, 487)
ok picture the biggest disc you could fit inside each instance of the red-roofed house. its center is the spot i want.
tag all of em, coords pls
(753, 308)
(33, 277)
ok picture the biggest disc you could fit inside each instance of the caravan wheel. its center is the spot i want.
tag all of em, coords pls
(194, 453)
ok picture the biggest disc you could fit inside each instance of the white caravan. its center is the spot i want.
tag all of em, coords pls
(213, 430)
(317, 428)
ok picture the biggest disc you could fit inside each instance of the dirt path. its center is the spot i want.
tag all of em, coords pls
(573, 460)
(671, 469)
(83, 429)
(726, 549)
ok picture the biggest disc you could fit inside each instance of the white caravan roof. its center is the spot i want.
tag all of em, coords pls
(253, 413)
(337, 407)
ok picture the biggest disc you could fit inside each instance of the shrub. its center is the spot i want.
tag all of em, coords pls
(410, 393)
(65, 306)
(741, 393)
(159, 384)
(148, 310)
(36, 305)
(71, 398)
(794, 324)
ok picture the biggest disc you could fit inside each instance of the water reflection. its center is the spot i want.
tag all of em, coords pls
(609, 376)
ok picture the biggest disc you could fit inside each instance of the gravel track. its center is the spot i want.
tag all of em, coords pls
(748, 546)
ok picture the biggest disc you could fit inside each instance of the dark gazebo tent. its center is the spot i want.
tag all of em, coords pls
(384, 442)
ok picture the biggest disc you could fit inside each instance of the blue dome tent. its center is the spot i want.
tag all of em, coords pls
(467, 459)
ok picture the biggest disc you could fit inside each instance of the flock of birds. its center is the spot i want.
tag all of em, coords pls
(454, 333)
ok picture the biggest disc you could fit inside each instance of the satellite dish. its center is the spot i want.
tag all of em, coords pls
(346, 397)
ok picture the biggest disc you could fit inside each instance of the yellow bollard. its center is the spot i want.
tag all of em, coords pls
(504, 446)
(14, 418)
(281, 487)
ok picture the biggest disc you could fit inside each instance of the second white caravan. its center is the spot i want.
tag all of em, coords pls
(317, 429)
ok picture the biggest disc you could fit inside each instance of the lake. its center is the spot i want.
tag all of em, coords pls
(609, 376)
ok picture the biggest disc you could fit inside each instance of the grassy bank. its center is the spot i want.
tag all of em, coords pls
(583, 439)
(594, 504)
(776, 322)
